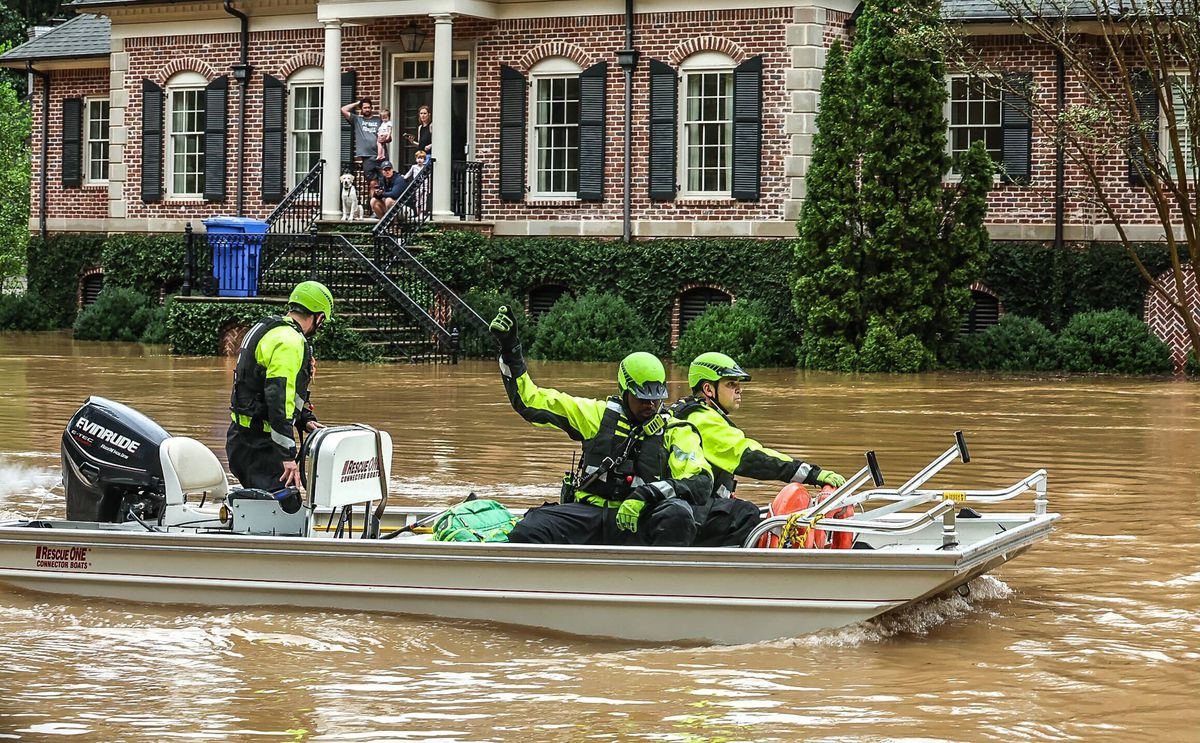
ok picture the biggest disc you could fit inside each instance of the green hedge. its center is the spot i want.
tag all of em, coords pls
(1052, 285)
(647, 274)
(1113, 341)
(118, 314)
(478, 342)
(1016, 343)
(594, 327)
(742, 330)
(195, 328)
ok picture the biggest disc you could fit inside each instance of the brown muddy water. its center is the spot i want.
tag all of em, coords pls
(1092, 635)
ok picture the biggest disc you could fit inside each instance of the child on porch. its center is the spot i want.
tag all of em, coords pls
(384, 137)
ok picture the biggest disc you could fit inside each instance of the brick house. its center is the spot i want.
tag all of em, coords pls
(140, 122)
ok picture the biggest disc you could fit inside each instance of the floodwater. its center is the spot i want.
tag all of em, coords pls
(1092, 635)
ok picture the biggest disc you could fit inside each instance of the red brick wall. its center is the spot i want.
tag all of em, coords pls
(86, 202)
(1165, 322)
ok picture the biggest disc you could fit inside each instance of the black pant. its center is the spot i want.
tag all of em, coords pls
(728, 523)
(254, 459)
(670, 523)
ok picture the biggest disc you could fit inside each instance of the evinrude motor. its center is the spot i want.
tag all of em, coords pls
(110, 462)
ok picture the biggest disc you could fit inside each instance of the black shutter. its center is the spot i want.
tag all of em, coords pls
(152, 142)
(274, 171)
(1017, 129)
(664, 96)
(592, 109)
(72, 142)
(349, 94)
(1145, 99)
(216, 98)
(512, 134)
(747, 129)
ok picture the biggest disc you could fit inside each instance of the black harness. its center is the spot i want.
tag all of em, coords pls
(621, 456)
(250, 377)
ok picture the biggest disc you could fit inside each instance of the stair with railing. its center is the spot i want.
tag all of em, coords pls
(385, 293)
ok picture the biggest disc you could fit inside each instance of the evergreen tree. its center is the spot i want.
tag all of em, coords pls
(829, 282)
(885, 260)
(14, 182)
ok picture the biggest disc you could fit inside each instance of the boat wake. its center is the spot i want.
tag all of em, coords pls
(24, 488)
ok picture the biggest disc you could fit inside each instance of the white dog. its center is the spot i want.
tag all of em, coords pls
(351, 207)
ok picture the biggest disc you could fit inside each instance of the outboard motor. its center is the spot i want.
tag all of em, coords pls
(111, 465)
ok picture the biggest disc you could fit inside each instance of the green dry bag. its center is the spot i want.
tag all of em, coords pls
(474, 521)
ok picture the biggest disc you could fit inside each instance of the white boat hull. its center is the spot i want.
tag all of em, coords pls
(639, 593)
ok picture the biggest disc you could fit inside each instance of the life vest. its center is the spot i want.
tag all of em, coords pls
(793, 498)
(645, 462)
(724, 483)
(249, 377)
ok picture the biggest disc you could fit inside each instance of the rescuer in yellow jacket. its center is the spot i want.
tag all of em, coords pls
(642, 477)
(270, 392)
(716, 382)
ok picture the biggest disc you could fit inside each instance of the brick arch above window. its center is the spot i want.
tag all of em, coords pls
(677, 308)
(555, 49)
(90, 284)
(185, 64)
(707, 44)
(300, 61)
(986, 309)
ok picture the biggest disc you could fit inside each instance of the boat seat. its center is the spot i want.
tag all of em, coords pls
(190, 468)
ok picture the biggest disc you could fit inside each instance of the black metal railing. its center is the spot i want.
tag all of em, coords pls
(466, 190)
(412, 210)
(301, 208)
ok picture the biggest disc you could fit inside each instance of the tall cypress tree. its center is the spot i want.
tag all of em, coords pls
(829, 278)
(885, 265)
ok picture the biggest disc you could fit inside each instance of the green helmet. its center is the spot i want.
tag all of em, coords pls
(313, 296)
(643, 375)
(714, 367)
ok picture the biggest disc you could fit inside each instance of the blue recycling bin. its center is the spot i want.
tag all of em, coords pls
(236, 244)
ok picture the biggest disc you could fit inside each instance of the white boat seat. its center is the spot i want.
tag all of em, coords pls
(190, 468)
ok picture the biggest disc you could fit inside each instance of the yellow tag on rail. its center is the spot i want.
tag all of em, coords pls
(957, 496)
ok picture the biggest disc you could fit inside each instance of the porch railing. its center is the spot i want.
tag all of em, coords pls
(301, 208)
(411, 211)
(466, 190)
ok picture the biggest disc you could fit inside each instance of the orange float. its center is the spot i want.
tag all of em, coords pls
(794, 497)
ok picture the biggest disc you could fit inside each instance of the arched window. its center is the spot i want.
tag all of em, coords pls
(554, 128)
(305, 94)
(984, 313)
(706, 112)
(693, 303)
(543, 298)
(90, 288)
(186, 118)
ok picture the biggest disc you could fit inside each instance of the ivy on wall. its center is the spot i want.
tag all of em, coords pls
(649, 275)
(196, 329)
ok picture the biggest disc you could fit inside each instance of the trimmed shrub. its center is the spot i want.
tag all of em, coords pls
(154, 320)
(1112, 341)
(23, 312)
(742, 330)
(885, 351)
(117, 315)
(594, 327)
(1016, 343)
(475, 341)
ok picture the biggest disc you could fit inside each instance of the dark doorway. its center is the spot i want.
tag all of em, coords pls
(410, 98)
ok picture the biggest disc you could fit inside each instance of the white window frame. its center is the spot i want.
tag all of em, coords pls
(100, 143)
(1179, 83)
(547, 71)
(997, 158)
(306, 78)
(704, 63)
(185, 83)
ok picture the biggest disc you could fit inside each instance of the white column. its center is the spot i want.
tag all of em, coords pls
(443, 70)
(331, 121)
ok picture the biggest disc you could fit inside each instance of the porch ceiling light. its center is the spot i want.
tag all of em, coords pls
(412, 38)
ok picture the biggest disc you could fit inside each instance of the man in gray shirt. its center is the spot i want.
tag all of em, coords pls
(366, 129)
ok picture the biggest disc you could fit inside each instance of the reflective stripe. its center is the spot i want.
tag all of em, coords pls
(282, 440)
(663, 487)
(505, 369)
(681, 455)
(802, 472)
(298, 404)
(613, 405)
(724, 492)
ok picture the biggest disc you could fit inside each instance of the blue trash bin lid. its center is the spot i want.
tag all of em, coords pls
(236, 224)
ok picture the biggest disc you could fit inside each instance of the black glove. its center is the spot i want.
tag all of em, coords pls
(504, 327)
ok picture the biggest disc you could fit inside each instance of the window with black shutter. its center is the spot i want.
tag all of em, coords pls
(72, 142)
(152, 142)
(663, 110)
(592, 110)
(216, 116)
(512, 134)
(1017, 126)
(349, 94)
(274, 112)
(747, 129)
(1145, 100)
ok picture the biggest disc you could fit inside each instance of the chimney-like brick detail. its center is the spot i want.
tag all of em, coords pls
(1165, 322)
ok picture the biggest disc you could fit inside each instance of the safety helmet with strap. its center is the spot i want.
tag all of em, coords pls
(642, 375)
(714, 367)
(314, 297)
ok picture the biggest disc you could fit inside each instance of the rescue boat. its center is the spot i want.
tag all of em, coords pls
(151, 518)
